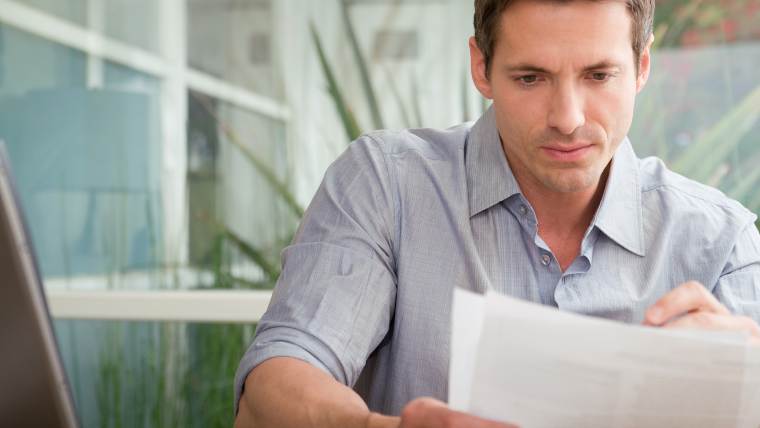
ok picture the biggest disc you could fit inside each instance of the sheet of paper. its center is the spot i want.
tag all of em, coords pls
(540, 367)
(468, 309)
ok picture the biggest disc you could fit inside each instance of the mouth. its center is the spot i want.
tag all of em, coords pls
(567, 153)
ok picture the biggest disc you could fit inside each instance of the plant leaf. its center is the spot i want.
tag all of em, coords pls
(716, 144)
(252, 285)
(416, 108)
(399, 100)
(680, 22)
(258, 257)
(748, 181)
(266, 172)
(361, 62)
(348, 119)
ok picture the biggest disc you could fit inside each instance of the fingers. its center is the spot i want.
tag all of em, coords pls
(470, 421)
(688, 297)
(692, 306)
(711, 321)
(422, 412)
(428, 412)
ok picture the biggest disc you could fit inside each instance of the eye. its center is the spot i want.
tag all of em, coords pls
(600, 76)
(528, 79)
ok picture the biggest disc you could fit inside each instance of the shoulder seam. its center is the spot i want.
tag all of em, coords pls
(722, 204)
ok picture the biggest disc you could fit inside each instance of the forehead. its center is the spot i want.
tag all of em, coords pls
(577, 32)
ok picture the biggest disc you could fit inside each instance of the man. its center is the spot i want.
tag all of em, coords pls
(542, 199)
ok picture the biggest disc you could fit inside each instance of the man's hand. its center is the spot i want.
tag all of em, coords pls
(428, 412)
(691, 306)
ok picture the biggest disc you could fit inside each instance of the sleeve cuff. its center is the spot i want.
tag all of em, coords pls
(263, 349)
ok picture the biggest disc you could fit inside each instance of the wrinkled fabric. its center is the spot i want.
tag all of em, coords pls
(401, 218)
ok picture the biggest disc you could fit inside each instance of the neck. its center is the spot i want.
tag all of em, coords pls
(577, 208)
(563, 217)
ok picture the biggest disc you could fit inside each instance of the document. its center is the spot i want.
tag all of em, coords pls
(536, 366)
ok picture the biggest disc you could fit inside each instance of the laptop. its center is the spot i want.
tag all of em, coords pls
(34, 391)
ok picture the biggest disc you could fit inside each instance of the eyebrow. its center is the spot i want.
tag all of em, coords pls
(530, 68)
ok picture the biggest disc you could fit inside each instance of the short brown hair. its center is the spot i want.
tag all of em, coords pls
(488, 15)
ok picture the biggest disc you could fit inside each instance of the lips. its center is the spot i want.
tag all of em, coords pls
(567, 153)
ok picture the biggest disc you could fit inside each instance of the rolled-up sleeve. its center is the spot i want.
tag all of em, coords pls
(739, 286)
(334, 300)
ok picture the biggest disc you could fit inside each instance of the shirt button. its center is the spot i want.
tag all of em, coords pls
(546, 260)
(523, 210)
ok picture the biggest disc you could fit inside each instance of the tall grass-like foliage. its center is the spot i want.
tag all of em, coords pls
(723, 151)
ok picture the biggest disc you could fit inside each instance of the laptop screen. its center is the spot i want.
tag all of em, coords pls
(33, 387)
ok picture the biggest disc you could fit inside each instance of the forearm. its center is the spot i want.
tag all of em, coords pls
(285, 392)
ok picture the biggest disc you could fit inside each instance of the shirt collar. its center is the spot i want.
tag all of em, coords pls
(620, 214)
(489, 178)
(490, 181)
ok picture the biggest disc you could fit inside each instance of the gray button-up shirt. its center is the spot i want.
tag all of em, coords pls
(402, 218)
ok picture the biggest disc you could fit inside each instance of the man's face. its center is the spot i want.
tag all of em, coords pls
(563, 82)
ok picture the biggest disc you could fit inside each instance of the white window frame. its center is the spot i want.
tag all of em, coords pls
(207, 306)
(177, 78)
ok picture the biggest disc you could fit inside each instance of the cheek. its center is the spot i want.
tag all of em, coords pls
(613, 110)
(523, 112)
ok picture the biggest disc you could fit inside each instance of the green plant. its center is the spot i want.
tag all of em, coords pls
(347, 117)
(342, 106)
(722, 150)
(217, 349)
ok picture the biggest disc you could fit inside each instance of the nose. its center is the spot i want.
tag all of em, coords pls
(566, 110)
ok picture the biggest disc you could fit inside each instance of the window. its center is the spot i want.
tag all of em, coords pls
(132, 155)
(700, 111)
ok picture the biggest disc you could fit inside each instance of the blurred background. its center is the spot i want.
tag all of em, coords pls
(173, 145)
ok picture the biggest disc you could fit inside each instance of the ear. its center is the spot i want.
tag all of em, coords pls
(645, 63)
(478, 70)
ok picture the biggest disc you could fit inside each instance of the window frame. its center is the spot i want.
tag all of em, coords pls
(171, 68)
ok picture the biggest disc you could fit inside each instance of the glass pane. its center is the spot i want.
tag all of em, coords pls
(411, 50)
(70, 10)
(134, 22)
(30, 64)
(699, 112)
(149, 374)
(86, 160)
(235, 41)
(240, 220)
